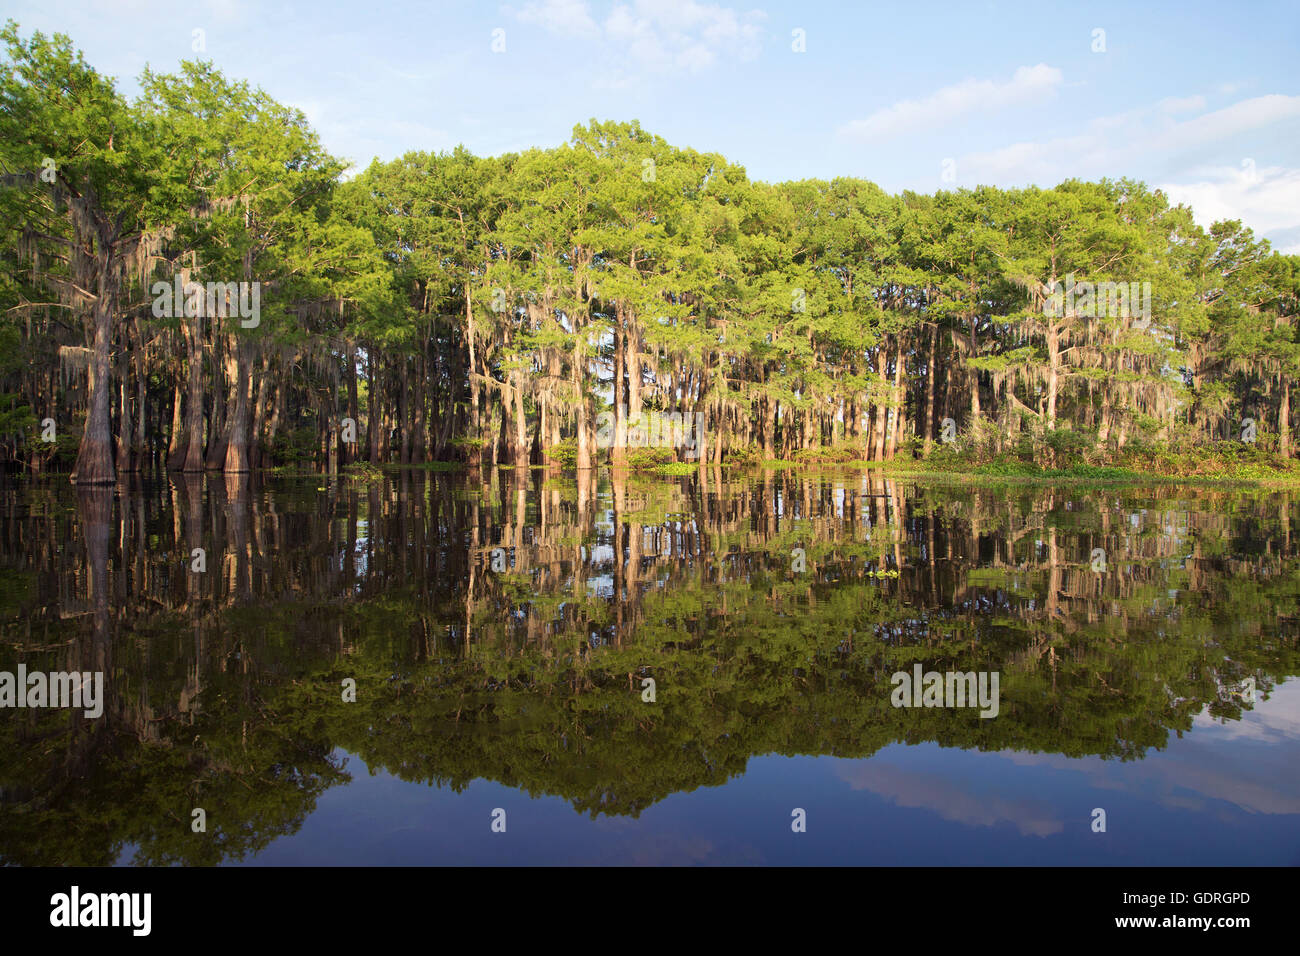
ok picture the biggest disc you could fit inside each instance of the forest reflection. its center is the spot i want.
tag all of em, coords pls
(501, 630)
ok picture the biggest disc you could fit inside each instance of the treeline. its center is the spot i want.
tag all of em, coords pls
(489, 311)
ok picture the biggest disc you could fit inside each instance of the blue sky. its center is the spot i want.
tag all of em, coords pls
(1201, 99)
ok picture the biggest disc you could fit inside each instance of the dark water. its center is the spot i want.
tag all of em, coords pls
(499, 637)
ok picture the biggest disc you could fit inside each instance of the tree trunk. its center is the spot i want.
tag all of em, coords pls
(897, 401)
(929, 388)
(632, 350)
(419, 426)
(94, 464)
(520, 455)
(375, 418)
(192, 460)
(277, 415)
(255, 437)
(882, 406)
(584, 446)
(176, 441)
(618, 454)
(221, 398)
(1284, 419)
(769, 428)
(124, 424)
(236, 461)
(404, 411)
(476, 453)
(351, 452)
(1053, 375)
(140, 444)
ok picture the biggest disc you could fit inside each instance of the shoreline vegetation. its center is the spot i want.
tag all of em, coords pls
(1267, 473)
(190, 282)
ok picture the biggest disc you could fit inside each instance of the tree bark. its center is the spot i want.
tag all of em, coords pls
(929, 389)
(236, 461)
(94, 464)
(1284, 419)
(221, 397)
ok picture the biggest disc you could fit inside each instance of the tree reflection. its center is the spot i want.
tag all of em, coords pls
(501, 631)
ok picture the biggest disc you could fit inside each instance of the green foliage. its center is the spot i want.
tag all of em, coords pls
(742, 457)
(648, 459)
(471, 308)
(565, 454)
(363, 471)
(825, 455)
(295, 447)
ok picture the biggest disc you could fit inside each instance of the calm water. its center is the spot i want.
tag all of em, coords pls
(500, 635)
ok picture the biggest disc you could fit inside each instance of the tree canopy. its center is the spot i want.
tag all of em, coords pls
(445, 307)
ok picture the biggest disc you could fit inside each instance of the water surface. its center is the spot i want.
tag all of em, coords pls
(500, 635)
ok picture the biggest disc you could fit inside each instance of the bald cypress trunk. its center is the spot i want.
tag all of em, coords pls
(419, 425)
(217, 435)
(619, 452)
(236, 460)
(632, 350)
(899, 402)
(259, 418)
(372, 407)
(1284, 419)
(351, 453)
(882, 406)
(176, 440)
(124, 424)
(404, 411)
(94, 464)
(520, 455)
(192, 459)
(929, 389)
(769, 428)
(140, 443)
(584, 447)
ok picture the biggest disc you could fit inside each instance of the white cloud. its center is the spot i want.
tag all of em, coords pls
(1233, 120)
(227, 11)
(1267, 201)
(1265, 198)
(1110, 144)
(1028, 84)
(571, 17)
(951, 799)
(1184, 104)
(654, 35)
(1248, 763)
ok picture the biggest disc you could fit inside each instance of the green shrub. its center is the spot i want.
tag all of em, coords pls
(646, 459)
(824, 455)
(363, 471)
(741, 457)
(295, 446)
(565, 454)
